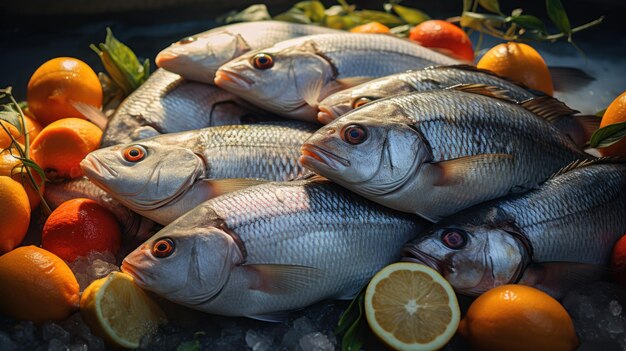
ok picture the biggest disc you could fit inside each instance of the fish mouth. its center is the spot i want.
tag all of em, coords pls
(228, 78)
(411, 254)
(129, 269)
(318, 155)
(92, 166)
(328, 114)
(165, 59)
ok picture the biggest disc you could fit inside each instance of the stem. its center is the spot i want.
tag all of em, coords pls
(577, 29)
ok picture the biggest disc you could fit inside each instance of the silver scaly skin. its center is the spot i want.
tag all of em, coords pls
(575, 217)
(198, 57)
(167, 103)
(291, 77)
(436, 153)
(272, 248)
(180, 170)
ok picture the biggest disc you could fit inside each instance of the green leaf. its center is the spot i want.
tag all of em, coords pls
(607, 136)
(558, 16)
(467, 5)
(304, 12)
(601, 112)
(366, 16)
(256, 12)
(478, 21)
(409, 15)
(35, 167)
(189, 346)
(490, 5)
(10, 114)
(529, 22)
(353, 324)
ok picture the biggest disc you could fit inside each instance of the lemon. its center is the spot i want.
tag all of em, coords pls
(411, 307)
(119, 311)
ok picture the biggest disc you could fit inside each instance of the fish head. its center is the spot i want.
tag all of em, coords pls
(186, 262)
(144, 175)
(199, 57)
(373, 150)
(280, 79)
(473, 259)
(344, 101)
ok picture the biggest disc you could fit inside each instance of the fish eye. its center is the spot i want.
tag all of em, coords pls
(361, 101)
(263, 61)
(134, 154)
(455, 239)
(163, 248)
(186, 40)
(354, 134)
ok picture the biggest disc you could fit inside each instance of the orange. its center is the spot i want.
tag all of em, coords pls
(57, 84)
(14, 214)
(62, 144)
(615, 113)
(372, 27)
(444, 37)
(32, 127)
(36, 285)
(519, 62)
(618, 261)
(518, 317)
(12, 167)
(79, 226)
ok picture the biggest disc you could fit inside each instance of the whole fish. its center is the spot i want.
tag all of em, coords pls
(573, 219)
(135, 228)
(578, 127)
(198, 57)
(167, 103)
(436, 153)
(165, 176)
(291, 77)
(271, 248)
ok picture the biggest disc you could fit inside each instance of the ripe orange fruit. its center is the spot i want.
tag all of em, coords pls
(518, 317)
(36, 285)
(14, 214)
(445, 37)
(32, 128)
(12, 167)
(615, 113)
(372, 27)
(78, 227)
(519, 62)
(618, 261)
(62, 144)
(58, 83)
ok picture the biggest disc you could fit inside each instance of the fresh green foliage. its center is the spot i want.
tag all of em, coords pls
(607, 136)
(253, 13)
(353, 324)
(122, 64)
(193, 345)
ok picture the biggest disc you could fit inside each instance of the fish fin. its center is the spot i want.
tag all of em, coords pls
(453, 171)
(472, 68)
(352, 81)
(312, 177)
(311, 93)
(547, 108)
(557, 278)
(567, 79)
(483, 89)
(579, 128)
(588, 123)
(144, 132)
(92, 113)
(273, 317)
(588, 162)
(283, 279)
(224, 186)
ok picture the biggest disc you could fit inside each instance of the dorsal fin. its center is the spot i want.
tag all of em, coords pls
(470, 68)
(588, 162)
(547, 108)
(483, 89)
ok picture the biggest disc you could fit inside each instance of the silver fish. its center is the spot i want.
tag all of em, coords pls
(291, 77)
(271, 248)
(436, 153)
(573, 219)
(167, 103)
(198, 57)
(165, 176)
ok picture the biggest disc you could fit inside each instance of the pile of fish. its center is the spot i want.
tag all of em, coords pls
(267, 210)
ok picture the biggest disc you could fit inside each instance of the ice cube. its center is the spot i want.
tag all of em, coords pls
(100, 269)
(52, 331)
(58, 345)
(316, 342)
(79, 347)
(24, 332)
(258, 342)
(300, 328)
(615, 307)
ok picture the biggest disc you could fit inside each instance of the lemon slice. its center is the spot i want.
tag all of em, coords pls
(119, 311)
(411, 307)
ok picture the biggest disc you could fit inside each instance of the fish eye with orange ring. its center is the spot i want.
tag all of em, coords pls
(134, 153)
(360, 101)
(163, 247)
(263, 61)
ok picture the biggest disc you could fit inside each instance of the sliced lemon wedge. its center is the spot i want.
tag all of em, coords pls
(411, 307)
(119, 311)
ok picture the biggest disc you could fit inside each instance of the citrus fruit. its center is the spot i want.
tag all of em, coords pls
(57, 84)
(411, 307)
(615, 113)
(444, 37)
(11, 166)
(618, 261)
(62, 144)
(79, 226)
(519, 62)
(119, 311)
(372, 27)
(36, 285)
(14, 214)
(518, 317)
(32, 127)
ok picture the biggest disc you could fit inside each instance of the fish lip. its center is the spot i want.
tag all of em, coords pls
(418, 256)
(126, 267)
(92, 165)
(226, 77)
(323, 156)
(325, 115)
